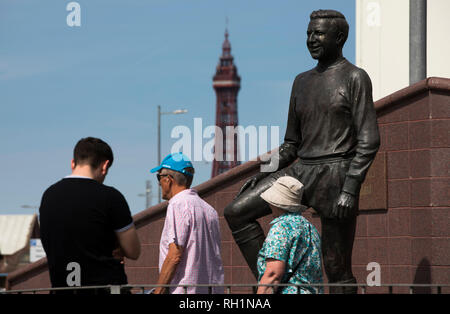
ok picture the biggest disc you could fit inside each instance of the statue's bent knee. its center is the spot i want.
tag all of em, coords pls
(232, 214)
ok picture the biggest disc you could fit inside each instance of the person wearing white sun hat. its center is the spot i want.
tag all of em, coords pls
(291, 251)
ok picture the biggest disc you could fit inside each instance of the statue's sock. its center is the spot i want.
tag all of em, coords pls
(250, 240)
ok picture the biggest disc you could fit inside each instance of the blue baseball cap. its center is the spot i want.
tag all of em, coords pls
(177, 162)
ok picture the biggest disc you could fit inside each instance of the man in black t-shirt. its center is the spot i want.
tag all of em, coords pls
(86, 227)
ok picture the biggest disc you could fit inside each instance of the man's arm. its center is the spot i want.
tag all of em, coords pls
(129, 243)
(368, 141)
(293, 135)
(366, 129)
(286, 153)
(123, 226)
(169, 267)
(273, 275)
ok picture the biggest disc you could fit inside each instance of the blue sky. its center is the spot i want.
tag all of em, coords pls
(105, 79)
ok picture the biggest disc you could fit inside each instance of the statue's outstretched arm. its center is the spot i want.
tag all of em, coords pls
(287, 152)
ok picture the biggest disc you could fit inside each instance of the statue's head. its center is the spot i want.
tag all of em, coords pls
(327, 33)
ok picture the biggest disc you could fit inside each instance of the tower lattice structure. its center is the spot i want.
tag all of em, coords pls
(226, 83)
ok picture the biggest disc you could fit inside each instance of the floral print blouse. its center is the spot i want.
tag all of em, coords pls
(294, 240)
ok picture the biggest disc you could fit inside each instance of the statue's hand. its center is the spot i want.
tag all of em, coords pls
(345, 206)
(251, 183)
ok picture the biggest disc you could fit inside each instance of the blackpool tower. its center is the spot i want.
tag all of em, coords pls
(226, 83)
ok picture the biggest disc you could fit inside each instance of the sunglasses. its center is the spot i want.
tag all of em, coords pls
(159, 176)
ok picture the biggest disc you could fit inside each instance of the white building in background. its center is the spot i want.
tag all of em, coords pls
(16, 231)
(382, 42)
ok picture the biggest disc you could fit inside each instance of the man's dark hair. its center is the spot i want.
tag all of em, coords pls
(92, 151)
(337, 20)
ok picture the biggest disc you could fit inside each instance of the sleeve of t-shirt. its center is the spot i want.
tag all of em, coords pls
(366, 128)
(278, 243)
(179, 225)
(293, 133)
(120, 214)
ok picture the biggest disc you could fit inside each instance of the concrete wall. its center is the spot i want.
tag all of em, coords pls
(438, 44)
(382, 42)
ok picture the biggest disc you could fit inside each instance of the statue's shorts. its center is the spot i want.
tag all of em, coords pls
(323, 180)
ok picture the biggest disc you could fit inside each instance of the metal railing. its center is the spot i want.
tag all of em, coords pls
(145, 289)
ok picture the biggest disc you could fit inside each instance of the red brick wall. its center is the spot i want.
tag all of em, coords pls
(411, 240)
(32, 276)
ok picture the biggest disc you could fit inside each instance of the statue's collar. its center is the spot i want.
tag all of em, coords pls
(322, 68)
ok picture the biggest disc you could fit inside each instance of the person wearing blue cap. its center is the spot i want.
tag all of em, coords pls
(190, 240)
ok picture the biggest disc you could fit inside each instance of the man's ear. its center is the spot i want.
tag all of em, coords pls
(72, 164)
(105, 166)
(340, 39)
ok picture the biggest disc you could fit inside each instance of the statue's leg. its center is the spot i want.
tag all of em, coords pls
(337, 247)
(241, 215)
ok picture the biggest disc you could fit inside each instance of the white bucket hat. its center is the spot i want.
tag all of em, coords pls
(285, 193)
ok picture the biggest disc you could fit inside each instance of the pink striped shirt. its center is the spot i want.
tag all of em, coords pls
(193, 224)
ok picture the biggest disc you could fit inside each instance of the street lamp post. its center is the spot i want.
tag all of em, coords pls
(147, 194)
(160, 113)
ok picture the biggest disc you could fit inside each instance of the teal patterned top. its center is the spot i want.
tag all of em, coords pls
(294, 240)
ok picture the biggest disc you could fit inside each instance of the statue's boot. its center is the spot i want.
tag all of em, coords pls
(343, 289)
(250, 240)
(353, 289)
